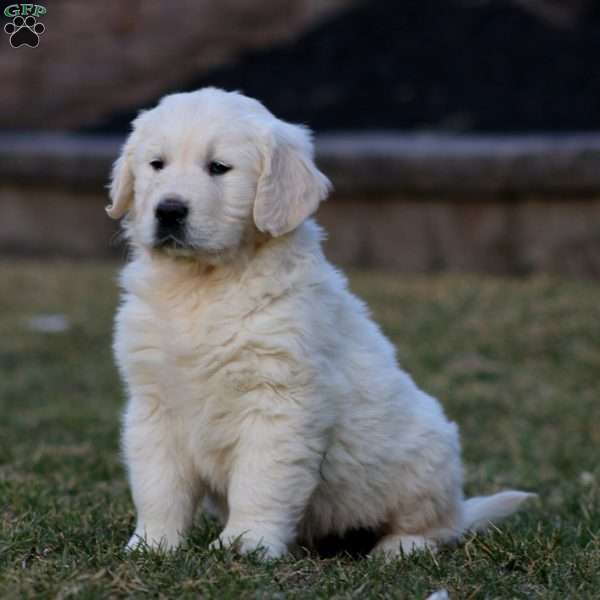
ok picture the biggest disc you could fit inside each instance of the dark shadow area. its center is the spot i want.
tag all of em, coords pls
(356, 543)
(454, 66)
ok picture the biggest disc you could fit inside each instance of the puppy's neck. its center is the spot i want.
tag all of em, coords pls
(216, 264)
(263, 265)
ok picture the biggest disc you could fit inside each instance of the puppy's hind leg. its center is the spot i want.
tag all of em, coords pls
(424, 526)
(398, 542)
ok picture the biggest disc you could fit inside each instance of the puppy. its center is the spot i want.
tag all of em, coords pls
(257, 382)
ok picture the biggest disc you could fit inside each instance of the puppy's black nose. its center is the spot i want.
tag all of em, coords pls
(171, 212)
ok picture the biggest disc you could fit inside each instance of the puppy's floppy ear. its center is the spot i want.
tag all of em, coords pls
(290, 186)
(121, 181)
(121, 184)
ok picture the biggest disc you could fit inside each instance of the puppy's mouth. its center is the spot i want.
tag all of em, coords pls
(175, 245)
(170, 241)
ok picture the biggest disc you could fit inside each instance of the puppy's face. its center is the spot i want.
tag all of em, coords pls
(203, 170)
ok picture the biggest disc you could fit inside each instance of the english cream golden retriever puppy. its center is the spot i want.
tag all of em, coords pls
(257, 382)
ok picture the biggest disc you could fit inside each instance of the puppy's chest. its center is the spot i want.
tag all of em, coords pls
(199, 358)
(199, 344)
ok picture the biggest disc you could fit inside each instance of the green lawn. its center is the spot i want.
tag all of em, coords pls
(515, 362)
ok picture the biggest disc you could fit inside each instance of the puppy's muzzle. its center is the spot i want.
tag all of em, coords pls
(171, 214)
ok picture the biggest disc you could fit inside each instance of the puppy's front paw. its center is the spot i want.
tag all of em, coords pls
(158, 541)
(245, 541)
(135, 541)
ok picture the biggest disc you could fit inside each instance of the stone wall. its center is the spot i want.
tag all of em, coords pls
(406, 203)
(416, 234)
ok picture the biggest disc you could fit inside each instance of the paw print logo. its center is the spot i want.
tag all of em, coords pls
(24, 31)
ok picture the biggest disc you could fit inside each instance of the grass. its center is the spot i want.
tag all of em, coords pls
(515, 362)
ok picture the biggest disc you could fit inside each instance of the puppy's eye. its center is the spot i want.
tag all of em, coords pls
(218, 168)
(157, 164)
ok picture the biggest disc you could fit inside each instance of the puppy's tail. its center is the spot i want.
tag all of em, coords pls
(481, 511)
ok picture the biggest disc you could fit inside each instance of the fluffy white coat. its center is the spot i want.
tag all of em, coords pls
(257, 382)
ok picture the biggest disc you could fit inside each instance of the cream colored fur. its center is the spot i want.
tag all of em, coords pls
(257, 382)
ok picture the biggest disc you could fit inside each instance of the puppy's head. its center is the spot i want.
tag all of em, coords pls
(203, 170)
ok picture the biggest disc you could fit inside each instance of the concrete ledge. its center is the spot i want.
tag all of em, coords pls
(57, 159)
(450, 165)
(357, 163)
